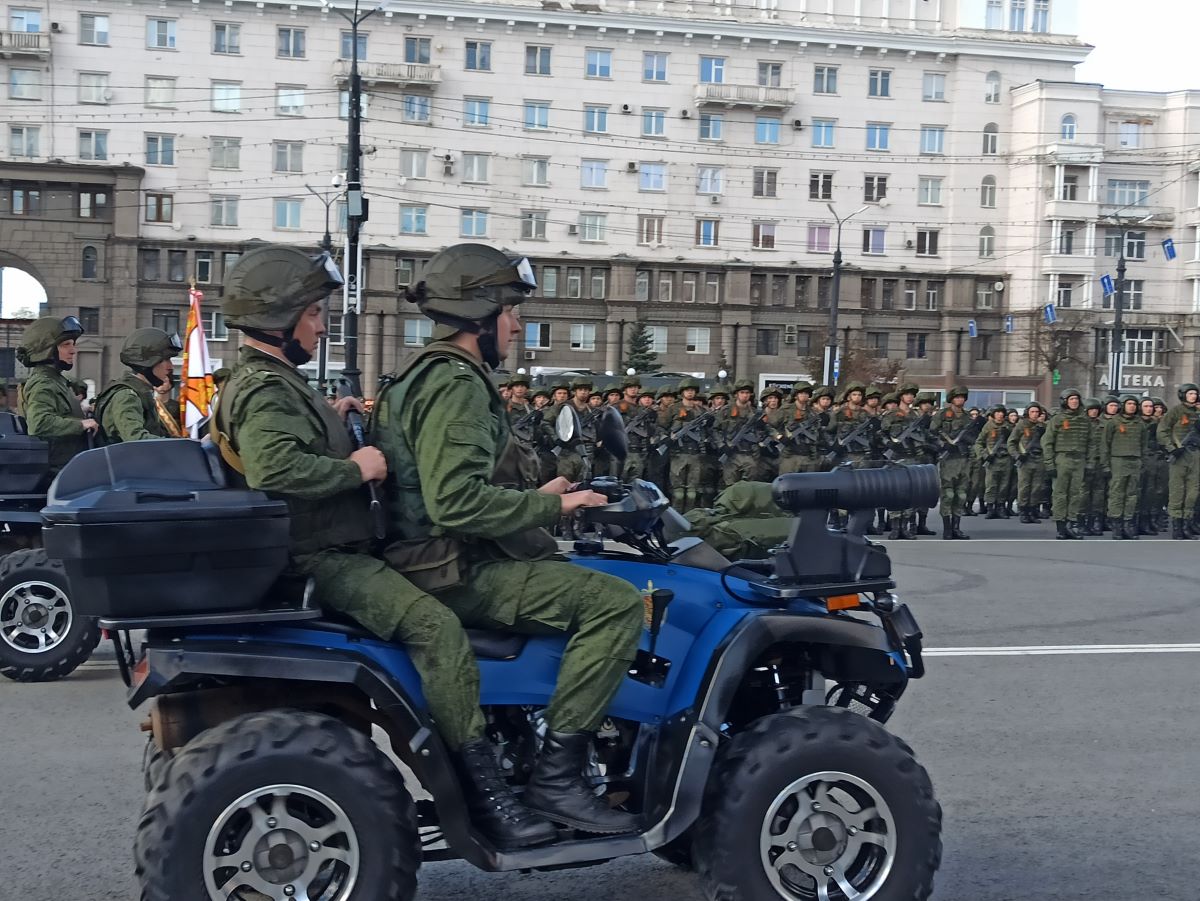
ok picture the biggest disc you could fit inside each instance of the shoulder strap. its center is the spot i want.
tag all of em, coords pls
(220, 435)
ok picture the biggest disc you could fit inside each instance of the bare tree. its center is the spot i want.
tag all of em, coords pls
(859, 363)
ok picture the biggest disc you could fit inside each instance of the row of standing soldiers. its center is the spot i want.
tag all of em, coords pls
(1114, 465)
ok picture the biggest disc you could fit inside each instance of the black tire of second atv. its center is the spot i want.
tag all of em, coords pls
(76, 647)
(756, 765)
(154, 764)
(277, 746)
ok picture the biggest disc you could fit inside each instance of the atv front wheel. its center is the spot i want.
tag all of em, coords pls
(281, 804)
(41, 636)
(818, 804)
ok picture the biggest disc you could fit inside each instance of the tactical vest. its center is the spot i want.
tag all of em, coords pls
(66, 405)
(145, 396)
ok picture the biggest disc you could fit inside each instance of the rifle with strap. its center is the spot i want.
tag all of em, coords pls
(859, 438)
(354, 421)
(907, 439)
(752, 424)
(692, 431)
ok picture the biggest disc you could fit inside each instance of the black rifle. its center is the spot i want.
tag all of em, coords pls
(692, 431)
(354, 422)
(754, 423)
(909, 442)
(810, 429)
(969, 434)
(1034, 445)
(525, 428)
(859, 439)
(999, 449)
(1192, 441)
(641, 424)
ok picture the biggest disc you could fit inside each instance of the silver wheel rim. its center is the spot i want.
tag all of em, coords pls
(828, 836)
(284, 843)
(35, 617)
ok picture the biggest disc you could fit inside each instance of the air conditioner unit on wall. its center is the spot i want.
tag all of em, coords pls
(789, 339)
(715, 198)
(530, 355)
(572, 229)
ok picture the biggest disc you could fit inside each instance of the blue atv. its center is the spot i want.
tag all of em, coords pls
(746, 738)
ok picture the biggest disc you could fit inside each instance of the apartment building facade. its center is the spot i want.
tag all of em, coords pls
(679, 165)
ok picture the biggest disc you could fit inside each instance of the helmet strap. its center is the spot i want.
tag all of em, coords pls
(293, 350)
(489, 347)
(147, 372)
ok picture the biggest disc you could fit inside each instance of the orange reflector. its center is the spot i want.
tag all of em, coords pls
(841, 602)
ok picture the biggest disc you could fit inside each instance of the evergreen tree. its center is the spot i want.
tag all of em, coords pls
(640, 357)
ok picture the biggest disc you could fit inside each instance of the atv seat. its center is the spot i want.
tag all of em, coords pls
(487, 645)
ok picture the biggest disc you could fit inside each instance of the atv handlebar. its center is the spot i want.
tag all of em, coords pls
(895, 488)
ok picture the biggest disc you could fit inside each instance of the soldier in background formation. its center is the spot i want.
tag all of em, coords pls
(1123, 465)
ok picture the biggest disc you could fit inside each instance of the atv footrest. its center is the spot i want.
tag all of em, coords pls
(240, 618)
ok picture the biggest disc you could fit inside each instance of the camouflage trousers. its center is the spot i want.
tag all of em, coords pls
(1154, 484)
(570, 465)
(1184, 485)
(685, 479)
(976, 482)
(998, 481)
(1068, 487)
(1031, 483)
(954, 472)
(634, 467)
(710, 477)
(1123, 487)
(800, 463)
(1095, 492)
(740, 468)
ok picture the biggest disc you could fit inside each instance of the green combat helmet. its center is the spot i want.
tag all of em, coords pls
(269, 288)
(925, 397)
(684, 384)
(744, 385)
(665, 391)
(802, 388)
(957, 391)
(145, 348)
(1183, 389)
(889, 398)
(996, 408)
(519, 379)
(909, 388)
(631, 381)
(718, 391)
(769, 391)
(1093, 403)
(873, 391)
(541, 391)
(581, 381)
(822, 391)
(1066, 395)
(40, 342)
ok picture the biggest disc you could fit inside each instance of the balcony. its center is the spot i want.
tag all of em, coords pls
(1069, 153)
(406, 75)
(1072, 210)
(29, 44)
(1159, 215)
(753, 96)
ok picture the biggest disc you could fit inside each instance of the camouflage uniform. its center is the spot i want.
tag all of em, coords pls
(1125, 443)
(991, 448)
(1184, 468)
(739, 463)
(128, 409)
(949, 423)
(800, 454)
(1095, 473)
(46, 399)
(1065, 443)
(1024, 446)
(686, 453)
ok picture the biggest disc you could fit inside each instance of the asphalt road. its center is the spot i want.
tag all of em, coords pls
(1068, 774)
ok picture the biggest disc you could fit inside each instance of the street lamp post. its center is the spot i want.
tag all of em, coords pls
(831, 344)
(1116, 346)
(328, 200)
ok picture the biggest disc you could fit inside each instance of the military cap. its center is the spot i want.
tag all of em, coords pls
(958, 391)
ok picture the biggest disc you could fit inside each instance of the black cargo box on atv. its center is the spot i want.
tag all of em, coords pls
(149, 528)
(24, 460)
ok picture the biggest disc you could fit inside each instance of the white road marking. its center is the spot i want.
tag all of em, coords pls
(1064, 650)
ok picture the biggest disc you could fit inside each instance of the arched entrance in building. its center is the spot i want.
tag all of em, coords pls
(22, 298)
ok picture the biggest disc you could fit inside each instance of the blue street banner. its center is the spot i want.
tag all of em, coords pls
(1010, 324)
(1050, 314)
(972, 331)
(1107, 286)
(1169, 248)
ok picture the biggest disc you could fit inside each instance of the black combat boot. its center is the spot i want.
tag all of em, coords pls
(1162, 521)
(558, 791)
(1131, 531)
(993, 511)
(1088, 525)
(1027, 516)
(1047, 511)
(1063, 531)
(947, 528)
(956, 531)
(897, 532)
(1072, 533)
(923, 524)
(1177, 532)
(1008, 509)
(495, 810)
(1118, 530)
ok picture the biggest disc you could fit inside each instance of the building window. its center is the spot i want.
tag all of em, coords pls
(866, 293)
(93, 87)
(654, 123)
(933, 87)
(712, 127)
(473, 223)
(712, 70)
(708, 232)
(929, 191)
(766, 182)
(413, 163)
(417, 50)
(712, 287)
(1125, 192)
(879, 83)
(574, 282)
(1130, 135)
(419, 332)
(224, 210)
(652, 176)
(89, 262)
(878, 343)
(1135, 244)
(415, 108)
(933, 139)
(825, 80)
(1069, 128)
(533, 225)
(1041, 16)
(537, 335)
(287, 213)
(1135, 289)
(93, 204)
(148, 264)
(641, 285)
(25, 84)
(987, 192)
(475, 167)
(597, 63)
(878, 136)
(24, 141)
(25, 202)
(535, 171)
(227, 96)
(93, 145)
(537, 114)
(1066, 240)
(165, 319)
(767, 342)
(874, 240)
(987, 242)
(176, 265)
(595, 119)
(654, 66)
(650, 230)
(1064, 293)
(933, 295)
(593, 226)
(289, 156)
(763, 235)
(874, 188)
(697, 340)
(225, 153)
(911, 289)
(227, 38)
(204, 267)
(820, 186)
(537, 60)
(549, 283)
(766, 130)
(658, 339)
(985, 295)
(215, 329)
(1016, 15)
(915, 346)
(93, 30)
(476, 112)
(991, 139)
(824, 292)
(412, 220)
(991, 89)
(289, 100)
(995, 15)
(770, 75)
(89, 318)
(666, 286)
(823, 132)
(160, 91)
(983, 347)
(1143, 346)
(820, 238)
(478, 56)
(887, 297)
(289, 43)
(583, 336)
(594, 174)
(927, 242)
(159, 207)
(160, 34)
(710, 180)
(346, 46)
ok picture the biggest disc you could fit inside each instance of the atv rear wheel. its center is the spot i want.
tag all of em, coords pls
(280, 804)
(820, 804)
(41, 636)
(154, 764)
